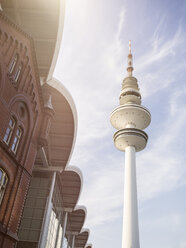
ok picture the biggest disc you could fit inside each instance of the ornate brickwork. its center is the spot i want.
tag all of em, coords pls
(21, 114)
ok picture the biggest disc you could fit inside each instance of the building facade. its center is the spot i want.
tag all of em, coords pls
(21, 108)
(39, 191)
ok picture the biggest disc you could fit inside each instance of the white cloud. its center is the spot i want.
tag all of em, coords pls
(161, 167)
(157, 68)
(103, 194)
(165, 230)
(156, 40)
(161, 50)
(182, 244)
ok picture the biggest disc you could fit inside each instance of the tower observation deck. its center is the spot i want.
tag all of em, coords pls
(130, 118)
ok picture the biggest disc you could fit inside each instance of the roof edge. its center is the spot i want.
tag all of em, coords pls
(85, 230)
(58, 39)
(81, 207)
(78, 171)
(56, 84)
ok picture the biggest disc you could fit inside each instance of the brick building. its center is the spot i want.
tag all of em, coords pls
(21, 115)
(38, 189)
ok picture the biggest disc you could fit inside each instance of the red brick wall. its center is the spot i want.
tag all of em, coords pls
(23, 101)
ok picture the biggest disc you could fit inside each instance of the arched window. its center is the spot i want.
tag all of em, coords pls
(3, 183)
(12, 64)
(9, 130)
(16, 135)
(17, 139)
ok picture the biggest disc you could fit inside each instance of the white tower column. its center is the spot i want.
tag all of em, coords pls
(130, 213)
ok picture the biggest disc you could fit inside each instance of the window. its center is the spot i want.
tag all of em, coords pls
(17, 73)
(16, 140)
(34, 210)
(12, 64)
(3, 183)
(9, 130)
(52, 230)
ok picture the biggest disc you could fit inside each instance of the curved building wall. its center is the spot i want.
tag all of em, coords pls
(43, 20)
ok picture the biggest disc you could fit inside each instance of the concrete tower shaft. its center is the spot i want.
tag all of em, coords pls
(130, 118)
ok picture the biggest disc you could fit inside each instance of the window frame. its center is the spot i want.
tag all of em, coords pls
(9, 130)
(17, 73)
(16, 140)
(3, 184)
(13, 64)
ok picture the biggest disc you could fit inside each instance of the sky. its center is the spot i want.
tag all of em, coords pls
(92, 64)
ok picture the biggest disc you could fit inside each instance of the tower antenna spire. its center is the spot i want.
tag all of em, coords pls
(130, 63)
(129, 46)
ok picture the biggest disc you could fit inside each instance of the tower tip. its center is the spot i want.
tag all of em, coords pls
(130, 64)
(129, 46)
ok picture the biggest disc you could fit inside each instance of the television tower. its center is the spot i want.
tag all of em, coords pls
(130, 118)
